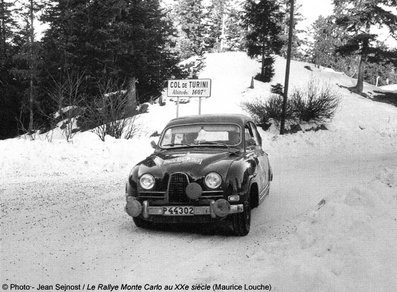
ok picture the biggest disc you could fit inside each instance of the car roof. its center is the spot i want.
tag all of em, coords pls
(211, 118)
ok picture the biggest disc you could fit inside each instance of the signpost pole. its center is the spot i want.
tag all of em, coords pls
(200, 105)
(177, 106)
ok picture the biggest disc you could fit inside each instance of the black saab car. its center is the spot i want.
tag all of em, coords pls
(204, 169)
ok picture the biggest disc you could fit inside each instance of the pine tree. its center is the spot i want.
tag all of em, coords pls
(208, 26)
(194, 25)
(10, 87)
(219, 13)
(27, 59)
(22, 61)
(65, 39)
(263, 22)
(326, 38)
(234, 32)
(32, 7)
(357, 17)
(296, 41)
(127, 40)
(7, 25)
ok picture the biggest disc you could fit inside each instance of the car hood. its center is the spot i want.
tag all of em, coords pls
(195, 162)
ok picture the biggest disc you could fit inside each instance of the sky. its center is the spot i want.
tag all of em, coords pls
(312, 9)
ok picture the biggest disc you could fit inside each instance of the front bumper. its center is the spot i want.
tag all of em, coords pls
(214, 210)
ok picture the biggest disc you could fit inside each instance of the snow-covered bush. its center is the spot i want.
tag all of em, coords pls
(266, 111)
(316, 104)
(110, 113)
(68, 99)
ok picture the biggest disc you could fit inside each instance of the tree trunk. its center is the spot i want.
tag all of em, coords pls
(263, 63)
(363, 59)
(361, 67)
(3, 32)
(360, 78)
(31, 65)
(132, 95)
(287, 67)
(222, 44)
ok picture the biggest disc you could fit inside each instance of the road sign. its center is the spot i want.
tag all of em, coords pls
(189, 88)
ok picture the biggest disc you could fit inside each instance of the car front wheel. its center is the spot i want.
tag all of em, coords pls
(242, 221)
(139, 222)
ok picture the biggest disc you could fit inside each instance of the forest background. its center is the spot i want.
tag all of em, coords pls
(92, 48)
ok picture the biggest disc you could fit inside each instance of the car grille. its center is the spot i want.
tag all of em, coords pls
(212, 195)
(176, 188)
(152, 195)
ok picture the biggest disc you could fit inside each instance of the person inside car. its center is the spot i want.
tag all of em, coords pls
(189, 138)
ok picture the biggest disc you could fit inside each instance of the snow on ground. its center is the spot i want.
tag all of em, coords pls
(391, 87)
(330, 223)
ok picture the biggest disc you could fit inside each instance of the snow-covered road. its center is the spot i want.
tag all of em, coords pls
(73, 229)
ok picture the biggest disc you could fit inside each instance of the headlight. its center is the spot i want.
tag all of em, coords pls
(147, 181)
(213, 180)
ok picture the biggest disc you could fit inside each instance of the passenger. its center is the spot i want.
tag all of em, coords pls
(234, 138)
(189, 138)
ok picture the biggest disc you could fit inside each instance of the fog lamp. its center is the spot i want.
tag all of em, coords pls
(221, 207)
(194, 191)
(133, 207)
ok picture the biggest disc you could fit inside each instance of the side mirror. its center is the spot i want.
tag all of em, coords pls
(153, 144)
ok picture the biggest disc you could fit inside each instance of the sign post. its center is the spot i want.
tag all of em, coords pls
(189, 88)
(177, 106)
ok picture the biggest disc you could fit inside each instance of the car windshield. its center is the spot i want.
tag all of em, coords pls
(215, 135)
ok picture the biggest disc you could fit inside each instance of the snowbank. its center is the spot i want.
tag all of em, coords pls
(347, 243)
(391, 87)
(86, 154)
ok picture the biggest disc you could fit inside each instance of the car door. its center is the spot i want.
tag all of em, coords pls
(263, 162)
(254, 150)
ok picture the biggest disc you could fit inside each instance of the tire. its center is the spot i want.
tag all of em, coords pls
(139, 222)
(242, 221)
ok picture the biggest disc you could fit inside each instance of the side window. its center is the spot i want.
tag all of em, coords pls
(257, 137)
(249, 136)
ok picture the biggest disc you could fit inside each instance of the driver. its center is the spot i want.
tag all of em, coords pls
(189, 138)
(234, 137)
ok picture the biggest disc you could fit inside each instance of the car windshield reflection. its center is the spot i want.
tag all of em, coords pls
(212, 135)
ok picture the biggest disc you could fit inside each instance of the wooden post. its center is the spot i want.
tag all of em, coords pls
(177, 106)
(287, 68)
(252, 83)
(31, 67)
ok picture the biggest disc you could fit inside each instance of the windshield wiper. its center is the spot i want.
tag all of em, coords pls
(218, 144)
(177, 144)
(212, 143)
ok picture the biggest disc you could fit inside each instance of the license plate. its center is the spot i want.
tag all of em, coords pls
(178, 211)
